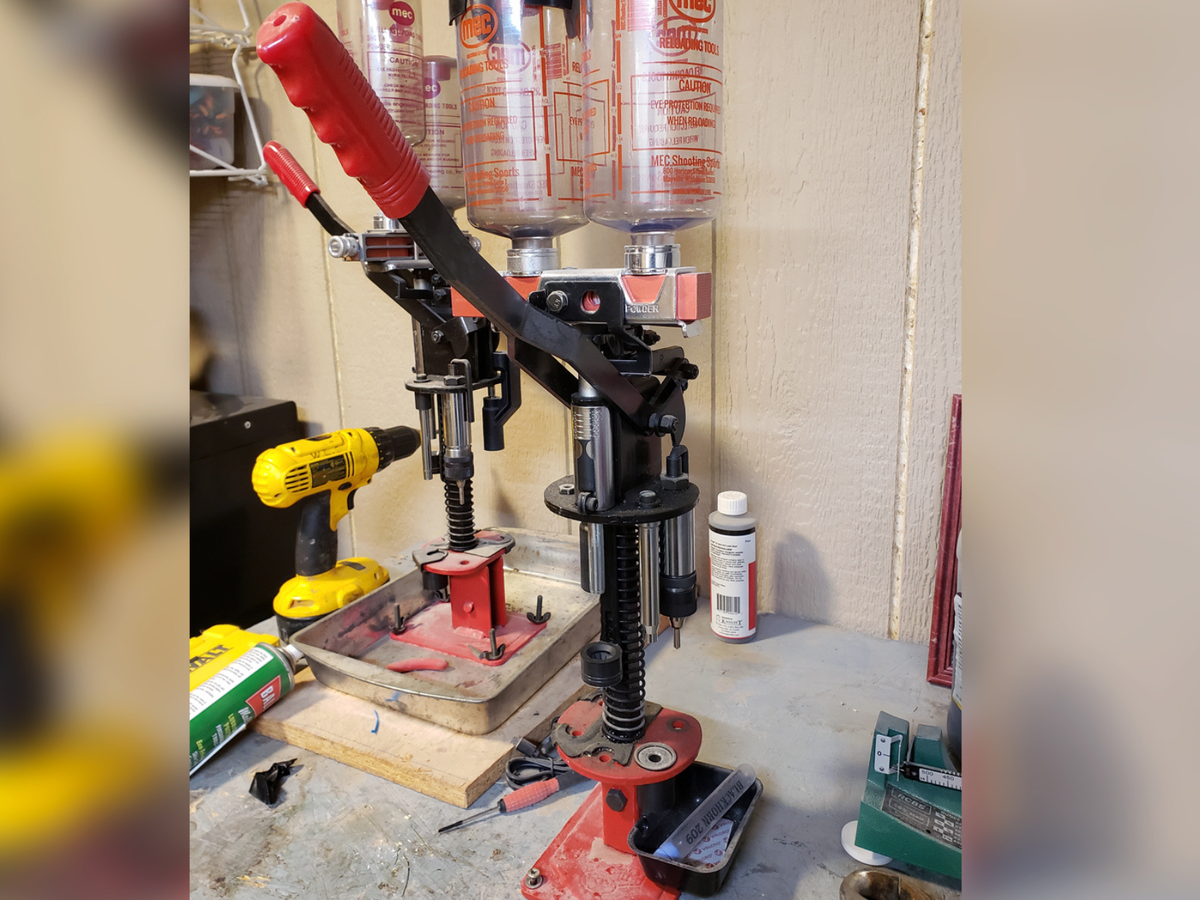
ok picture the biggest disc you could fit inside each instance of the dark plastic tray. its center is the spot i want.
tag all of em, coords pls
(692, 785)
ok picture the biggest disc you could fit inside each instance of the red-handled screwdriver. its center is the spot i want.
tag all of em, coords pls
(521, 798)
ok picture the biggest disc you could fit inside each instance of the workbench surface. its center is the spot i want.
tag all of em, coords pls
(798, 704)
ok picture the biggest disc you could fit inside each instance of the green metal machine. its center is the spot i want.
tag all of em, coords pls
(911, 808)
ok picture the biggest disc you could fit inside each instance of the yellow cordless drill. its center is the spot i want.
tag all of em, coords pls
(323, 473)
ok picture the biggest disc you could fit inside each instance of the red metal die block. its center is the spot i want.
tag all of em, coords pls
(476, 589)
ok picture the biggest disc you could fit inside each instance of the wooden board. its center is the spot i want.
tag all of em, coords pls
(443, 764)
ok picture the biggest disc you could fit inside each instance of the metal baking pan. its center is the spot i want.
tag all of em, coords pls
(349, 650)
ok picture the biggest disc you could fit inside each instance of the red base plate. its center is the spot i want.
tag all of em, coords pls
(433, 629)
(578, 865)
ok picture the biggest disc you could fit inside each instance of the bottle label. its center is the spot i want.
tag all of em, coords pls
(522, 118)
(734, 588)
(652, 110)
(222, 683)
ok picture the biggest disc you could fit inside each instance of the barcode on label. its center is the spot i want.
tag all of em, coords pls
(727, 604)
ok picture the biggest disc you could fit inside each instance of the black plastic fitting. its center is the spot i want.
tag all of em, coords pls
(601, 664)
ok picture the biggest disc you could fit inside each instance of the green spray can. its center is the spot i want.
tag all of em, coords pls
(225, 704)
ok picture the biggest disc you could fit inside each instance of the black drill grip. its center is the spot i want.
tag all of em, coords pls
(316, 542)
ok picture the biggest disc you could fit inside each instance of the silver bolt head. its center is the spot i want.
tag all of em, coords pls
(534, 878)
(343, 247)
(566, 489)
(556, 301)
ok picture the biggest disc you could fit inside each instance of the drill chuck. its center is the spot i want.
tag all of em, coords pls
(395, 443)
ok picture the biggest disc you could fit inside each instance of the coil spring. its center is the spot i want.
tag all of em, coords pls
(625, 704)
(460, 517)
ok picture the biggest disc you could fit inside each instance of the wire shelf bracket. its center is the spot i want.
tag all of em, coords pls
(207, 31)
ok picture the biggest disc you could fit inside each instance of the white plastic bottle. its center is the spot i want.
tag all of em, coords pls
(732, 553)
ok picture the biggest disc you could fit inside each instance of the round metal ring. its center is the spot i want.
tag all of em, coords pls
(655, 757)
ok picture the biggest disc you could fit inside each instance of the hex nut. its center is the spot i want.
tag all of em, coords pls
(615, 799)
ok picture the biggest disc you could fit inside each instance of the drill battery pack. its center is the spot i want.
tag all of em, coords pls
(217, 647)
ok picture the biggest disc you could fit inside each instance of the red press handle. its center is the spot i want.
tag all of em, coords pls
(290, 172)
(529, 795)
(319, 76)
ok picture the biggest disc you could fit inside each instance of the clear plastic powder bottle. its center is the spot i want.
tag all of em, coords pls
(441, 151)
(383, 37)
(522, 123)
(653, 81)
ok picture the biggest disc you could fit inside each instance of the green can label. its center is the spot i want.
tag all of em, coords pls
(226, 703)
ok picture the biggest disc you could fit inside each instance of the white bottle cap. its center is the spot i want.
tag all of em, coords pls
(731, 503)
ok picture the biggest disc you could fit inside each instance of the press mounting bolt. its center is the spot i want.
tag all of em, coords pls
(496, 652)
(538, 618)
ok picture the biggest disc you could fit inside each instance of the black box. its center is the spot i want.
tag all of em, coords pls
(692, 787)
(242, 551)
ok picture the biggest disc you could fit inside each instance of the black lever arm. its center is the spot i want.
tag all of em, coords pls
(432, 226)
